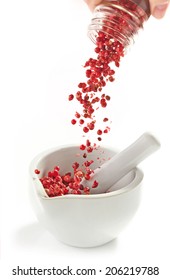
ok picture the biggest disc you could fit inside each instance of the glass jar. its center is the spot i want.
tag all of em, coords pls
(120, 20)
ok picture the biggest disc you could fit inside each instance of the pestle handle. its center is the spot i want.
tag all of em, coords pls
(120, 164)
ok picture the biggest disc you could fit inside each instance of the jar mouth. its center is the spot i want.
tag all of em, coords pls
(95, 28)
(116, 22)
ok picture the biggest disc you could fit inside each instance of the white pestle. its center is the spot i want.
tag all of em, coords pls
(123, 162)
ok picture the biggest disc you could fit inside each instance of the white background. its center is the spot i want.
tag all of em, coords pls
(43, 45)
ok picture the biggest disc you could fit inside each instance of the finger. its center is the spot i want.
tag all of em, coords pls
(158, 8)
(93, 3)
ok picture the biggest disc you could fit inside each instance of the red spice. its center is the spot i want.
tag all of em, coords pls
(75, 165)
(95, 184)
(108, 97)
(70, 97)
(56, 184)
(81, 121)
(77, 115)
(88, 143)
(82, 85)
(97, 49)
(73, 121)
(82, 147)
(111, 79)
(37, 171)
(87, 176)
(99, 132)
(57, 168)
(103, 103)
(85, 129)
(67, 178)
(91, 125)
(98, 72)
(89, 149)
(88, 163)
(88, 73)
(86, 190)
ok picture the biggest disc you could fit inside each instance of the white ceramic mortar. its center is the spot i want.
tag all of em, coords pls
(84, 220)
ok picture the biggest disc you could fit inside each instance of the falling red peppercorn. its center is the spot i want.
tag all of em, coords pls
(82, 147)
(73, 121)
(85, 129)
(85, 155)
(70, 97)
(89, 149)
(99, 132)
(91, 125)
(88, 143)
(77, 115)
(37, 171)
(81, 121)
(103, 103)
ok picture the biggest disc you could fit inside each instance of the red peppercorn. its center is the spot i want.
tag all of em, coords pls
(37, 171)
(103, 103)
(89, 149)
(88, 143)
(81, 121)
(111, 79)
(86, 116)
(88, 73)
(82, 147)
(75, 165)
(99, 132)
(95, 184)
(82, 85)
(70, 97)
(77, 115)
(84, 155)
(108, 97)
(67, 178)
(85, 129)
(111, 72)
(88, 163)
(57, 168)
(87, 176)
(86, 190)
(91, 125)
(97, 49)
(73, 121)
(78, 95)
(50, 174)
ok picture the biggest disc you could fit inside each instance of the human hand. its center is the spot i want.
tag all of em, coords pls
(158, 7)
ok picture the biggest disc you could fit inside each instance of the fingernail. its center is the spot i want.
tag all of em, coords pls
(160, 9)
